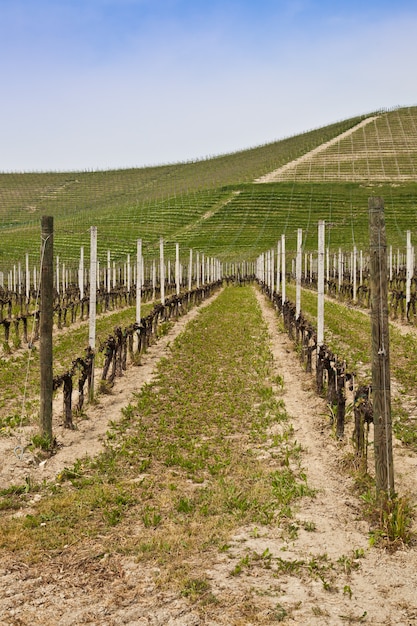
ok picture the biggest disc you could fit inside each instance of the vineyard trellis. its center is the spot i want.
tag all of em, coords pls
(332, 375)
(121, 344)
(326, 364)
(125, 343)
(132, 340)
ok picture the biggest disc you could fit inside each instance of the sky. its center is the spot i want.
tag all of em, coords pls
(103, 84)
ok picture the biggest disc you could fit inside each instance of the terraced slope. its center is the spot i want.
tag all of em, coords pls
(126, 204)
(254, 219)
(382, 148)
(214, 206)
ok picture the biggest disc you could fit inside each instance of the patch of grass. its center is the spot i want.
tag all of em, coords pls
(67, 346)
(280, 613)
(194, 588)
(10, 422)
(287, 486)
(151, 517)
(182, 459)
(244, 563)
(289, 566)
(185, 505)
(43, 442)
(15, 497)
(403, 426)
(348, 564)
(390, 518)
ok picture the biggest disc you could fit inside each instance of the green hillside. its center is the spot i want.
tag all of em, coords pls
(216, 206)
(382, 149)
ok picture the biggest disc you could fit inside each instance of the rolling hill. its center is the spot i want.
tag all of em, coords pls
(232, 206)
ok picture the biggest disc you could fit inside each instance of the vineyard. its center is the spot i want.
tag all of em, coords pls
(212, 458)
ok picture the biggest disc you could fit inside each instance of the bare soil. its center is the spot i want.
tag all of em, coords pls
(85, 586)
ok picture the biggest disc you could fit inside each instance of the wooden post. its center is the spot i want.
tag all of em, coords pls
(27, 281)
(390, 263)
(327, 268)
(93, 303)
(81, 274)
(190, 271)
(268, 269)
(283, 283)
(354, 274)
(108, 271)
(129, 274)
(57, 274)
(298, 270)
(64, 282)
(408, 273)
(46, 323)
(162, 270)
(139, 280)
(320, 285)
(153, 279)
(340, 271)
(278, 280)
(177, 269)
(381, 386)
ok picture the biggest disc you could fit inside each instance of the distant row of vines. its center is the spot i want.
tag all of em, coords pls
(398, 307)
(125, 347)
(332, 377)
(20, 316)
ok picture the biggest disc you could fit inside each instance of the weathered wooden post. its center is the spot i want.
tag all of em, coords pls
(278, 280)
(283, 278)
(139, 280)
(128, 274)
(320, 306)
(354, 273)
(162, 270)
(57, 275)
(108, 275)
(177, 269)
(46, 324)
(190, 271)
(409, 274)
(81, 273)
(320, 284)
(340, 271)
(27, 280)
(298, 270)
(381, 386)
(93, 305)
(198, 271)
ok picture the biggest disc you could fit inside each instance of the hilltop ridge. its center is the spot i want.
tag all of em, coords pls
(215, 205)
(382, 147)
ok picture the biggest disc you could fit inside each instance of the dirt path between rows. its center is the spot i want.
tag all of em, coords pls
(18, 464)
(358, 584)
(384, 585)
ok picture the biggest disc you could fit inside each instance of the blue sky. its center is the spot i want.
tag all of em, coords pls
(97, 84)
